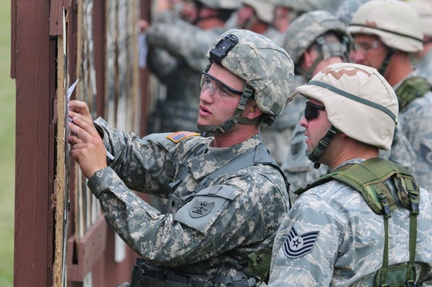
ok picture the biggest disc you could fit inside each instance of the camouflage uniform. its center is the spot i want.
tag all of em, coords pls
(331, 236)
(349, 246)
(406, 36)
(416, 125)
(177, 57)
(217, 212)
(249, 209)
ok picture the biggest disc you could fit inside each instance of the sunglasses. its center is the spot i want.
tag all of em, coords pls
(216, 86)
(312, 111)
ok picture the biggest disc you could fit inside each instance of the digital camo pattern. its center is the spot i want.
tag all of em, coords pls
(347, 8)
(305, 30)
(331, 237)
(251, 208)
(264, 65)
(416, 124)
(277, 137)
(424, 66)
(177, 57)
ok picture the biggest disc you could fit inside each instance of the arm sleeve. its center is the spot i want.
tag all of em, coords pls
(233, 213)
(307, 244)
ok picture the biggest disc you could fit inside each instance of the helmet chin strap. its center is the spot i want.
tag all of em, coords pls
(319, 149)
(386, 61)
(248, 93)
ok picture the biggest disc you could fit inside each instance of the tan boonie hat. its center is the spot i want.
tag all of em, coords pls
(395, 22)
(359, 102)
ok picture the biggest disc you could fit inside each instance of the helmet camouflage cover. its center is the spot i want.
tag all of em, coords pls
(396, 23)
(354, 94)
(262, 64)
(306, 29)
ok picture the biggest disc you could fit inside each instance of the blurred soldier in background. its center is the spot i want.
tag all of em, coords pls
(257, 16)
(423, 60)
(385, 34)
(314, 40)
(176, 56)
(347, 8)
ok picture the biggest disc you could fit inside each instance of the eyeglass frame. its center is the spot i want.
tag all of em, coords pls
(222, 85)
(311, 111)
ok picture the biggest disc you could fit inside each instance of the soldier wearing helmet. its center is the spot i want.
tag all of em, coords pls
(225, 194)
(314, 40)
(287, 11)
(257, 16)
(423, 60)
(386, 34)
(176, 56)
(367, 223)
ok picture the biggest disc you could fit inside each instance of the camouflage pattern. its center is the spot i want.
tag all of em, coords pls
(177, 57)
(246, 206)
(395, 22)
(347, 9)
(277, 137)
(424, 66)
(263, 65)
(307, 28)
(221, 4)
(415, 122)
(346, 239)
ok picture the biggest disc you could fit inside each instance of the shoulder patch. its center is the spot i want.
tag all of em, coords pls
(179, 136)
(296, 246)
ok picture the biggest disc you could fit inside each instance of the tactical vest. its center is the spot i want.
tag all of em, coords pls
(257, 155)
(370, 179)
(410, 89)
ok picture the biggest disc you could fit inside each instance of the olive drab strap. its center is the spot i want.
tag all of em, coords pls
(410, 89)
(257, 155)
(369, 178)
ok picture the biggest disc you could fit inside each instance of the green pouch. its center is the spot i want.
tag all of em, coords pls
(394, 276)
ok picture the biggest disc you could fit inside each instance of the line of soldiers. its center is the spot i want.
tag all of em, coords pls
(335, 87)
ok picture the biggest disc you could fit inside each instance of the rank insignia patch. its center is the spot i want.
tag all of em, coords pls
(426, 153)
(201, 208)
(179, 136)
(296, 246)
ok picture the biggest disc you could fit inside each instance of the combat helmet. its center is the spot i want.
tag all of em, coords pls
(347, 9)
(424, 9)
(396, 23)
(263, 9)
(310, 28)
(353, 94)
(266, 68)
(221, 4)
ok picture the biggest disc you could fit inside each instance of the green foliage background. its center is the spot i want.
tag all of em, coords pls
(7, 148)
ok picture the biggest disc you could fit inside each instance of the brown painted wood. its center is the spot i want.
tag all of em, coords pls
(32, 62)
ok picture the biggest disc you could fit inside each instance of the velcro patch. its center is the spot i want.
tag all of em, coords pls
(201, 208)
(179, 136)
(296, 246)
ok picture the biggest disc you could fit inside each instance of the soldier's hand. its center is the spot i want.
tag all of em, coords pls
(87, 147)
